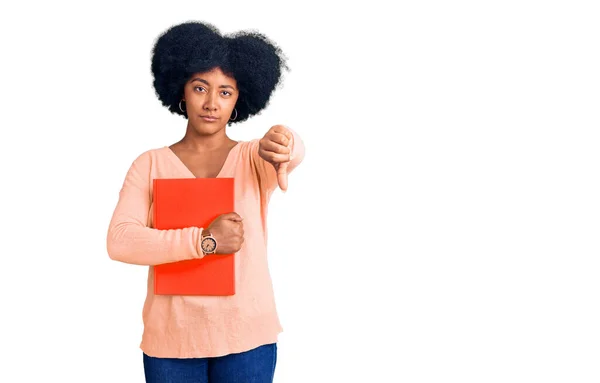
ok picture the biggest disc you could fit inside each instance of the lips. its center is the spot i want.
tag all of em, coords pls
(209, 118)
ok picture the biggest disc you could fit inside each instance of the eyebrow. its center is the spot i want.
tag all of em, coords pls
(206, 82)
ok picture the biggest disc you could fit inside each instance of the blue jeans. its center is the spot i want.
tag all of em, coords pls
(253, 366)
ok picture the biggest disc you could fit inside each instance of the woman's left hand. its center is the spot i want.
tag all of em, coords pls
(276, 148)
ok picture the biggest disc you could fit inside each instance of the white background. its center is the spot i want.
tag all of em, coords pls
(442, 228)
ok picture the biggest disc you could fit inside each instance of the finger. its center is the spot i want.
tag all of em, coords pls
(236, 217)
(275, 158)
(238, 232)
(233, 217)
(280, 138)
(283, 130)
(282, 176)
(271, 146)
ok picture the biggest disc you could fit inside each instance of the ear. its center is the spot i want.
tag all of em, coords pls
(183, 92)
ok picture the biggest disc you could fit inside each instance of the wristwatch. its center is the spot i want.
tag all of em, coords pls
(208, 243)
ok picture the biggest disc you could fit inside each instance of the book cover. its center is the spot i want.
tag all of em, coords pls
(185, 202)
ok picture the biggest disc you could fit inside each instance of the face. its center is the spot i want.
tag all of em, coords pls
(210, 98)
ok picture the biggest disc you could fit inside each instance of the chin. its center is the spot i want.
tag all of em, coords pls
(207, 129)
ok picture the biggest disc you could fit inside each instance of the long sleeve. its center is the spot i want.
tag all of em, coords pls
(129, 238)
(266, 171)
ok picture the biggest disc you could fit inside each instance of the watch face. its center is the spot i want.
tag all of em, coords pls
(208, 245)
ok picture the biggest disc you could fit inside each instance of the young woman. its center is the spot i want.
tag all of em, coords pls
(212, 80)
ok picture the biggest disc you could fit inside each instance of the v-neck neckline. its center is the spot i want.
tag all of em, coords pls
(182, 165)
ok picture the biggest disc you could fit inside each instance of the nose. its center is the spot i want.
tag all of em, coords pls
(209, 102)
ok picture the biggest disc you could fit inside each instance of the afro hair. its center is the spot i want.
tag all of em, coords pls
(254, 61)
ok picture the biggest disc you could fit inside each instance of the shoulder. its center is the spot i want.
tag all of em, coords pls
(247, 147)
(150, 156)
(248, 151)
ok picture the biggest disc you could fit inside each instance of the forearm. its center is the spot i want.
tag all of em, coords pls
(131, 240)
(132, 243)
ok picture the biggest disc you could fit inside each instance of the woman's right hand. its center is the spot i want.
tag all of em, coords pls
(228, 231)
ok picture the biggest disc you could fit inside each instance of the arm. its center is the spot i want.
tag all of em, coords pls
(266, 170)
(129, 238)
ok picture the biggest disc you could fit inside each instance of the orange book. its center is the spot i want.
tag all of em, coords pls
(185, 202)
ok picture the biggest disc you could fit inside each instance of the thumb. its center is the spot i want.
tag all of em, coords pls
(282, 176)
(233, 217)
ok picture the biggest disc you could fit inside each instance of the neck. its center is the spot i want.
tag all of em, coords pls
(196, 141)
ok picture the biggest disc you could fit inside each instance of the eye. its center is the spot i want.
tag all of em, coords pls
(199, 87)
(227, 93)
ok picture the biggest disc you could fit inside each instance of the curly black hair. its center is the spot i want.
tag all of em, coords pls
(252, 59)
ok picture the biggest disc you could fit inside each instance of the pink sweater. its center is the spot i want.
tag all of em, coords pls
(201, 326)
